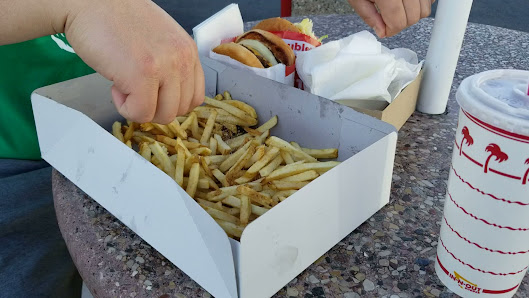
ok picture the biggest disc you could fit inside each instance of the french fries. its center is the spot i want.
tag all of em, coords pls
(286, 185)
(221, 177)
(236, 171)
(259, 153)
(163, 158)
(145, 151)
(232, 159)
(164, 129)
(116, 131)
(237, 141)
(213, 144)
(232, 110)
(242, 106)
(293, 169)
(256, 167)
(187, 123)
(192, 184)
(230, 228)
(209, 128)
(245, 210)
(222, 147)
(176, 129)
(303, 176)
(233, 172)
(282, 195)
(285, 146)
(226, 95)
(321, 153)
(271, 166)
(287, 157)
(255, 196)
(236, 203)
(129, 132)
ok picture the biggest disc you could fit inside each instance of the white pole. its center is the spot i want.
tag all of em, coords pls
(446, 40)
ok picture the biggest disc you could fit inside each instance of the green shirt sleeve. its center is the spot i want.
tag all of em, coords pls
(25, 67)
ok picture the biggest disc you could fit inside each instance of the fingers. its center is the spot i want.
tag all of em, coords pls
(140, 104)
(368, 12)
(393, 14)
(168, 101)
(389, 17)
(118, 97)
(164, 88)
(193, 89)
(200, 88)
(186, 95)
(413, 10)
(426, 7)
(155, 75)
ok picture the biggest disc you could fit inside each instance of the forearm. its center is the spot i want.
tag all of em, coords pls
(22, 20)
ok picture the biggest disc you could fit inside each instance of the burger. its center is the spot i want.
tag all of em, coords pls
(280, 25)
(258, 48)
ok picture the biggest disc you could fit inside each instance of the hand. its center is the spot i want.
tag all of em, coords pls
(150, 58)
(392, 16)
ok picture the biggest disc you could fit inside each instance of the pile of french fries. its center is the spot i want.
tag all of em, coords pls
(233, 171)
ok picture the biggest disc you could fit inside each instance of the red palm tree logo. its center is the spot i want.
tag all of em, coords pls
(496, 152)
(466, 139)
(524, 180)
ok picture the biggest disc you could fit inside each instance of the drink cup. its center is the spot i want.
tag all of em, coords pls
(483, 248)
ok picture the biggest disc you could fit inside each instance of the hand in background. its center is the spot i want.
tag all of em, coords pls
(150, 58)
(389, 17)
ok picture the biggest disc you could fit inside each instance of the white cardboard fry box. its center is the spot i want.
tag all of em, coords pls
(74, 119)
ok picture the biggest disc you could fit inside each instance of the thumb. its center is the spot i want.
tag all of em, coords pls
(369, 13)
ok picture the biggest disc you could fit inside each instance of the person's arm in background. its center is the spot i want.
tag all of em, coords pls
(151, 60)
(389, 17)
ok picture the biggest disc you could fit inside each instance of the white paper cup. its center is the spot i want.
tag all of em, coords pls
(483, 248)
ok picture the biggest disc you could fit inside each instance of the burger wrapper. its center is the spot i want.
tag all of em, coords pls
(280, 72)
(299, 42)
(223, 27)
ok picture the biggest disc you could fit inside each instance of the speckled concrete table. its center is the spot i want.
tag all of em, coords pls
(390, 255)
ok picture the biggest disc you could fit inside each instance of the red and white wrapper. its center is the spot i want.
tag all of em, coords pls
(224, 26)
(299, 43)
(483, 248)
(280, 72)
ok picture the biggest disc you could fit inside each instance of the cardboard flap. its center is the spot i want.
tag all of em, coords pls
(313, 122)
(285, 238)
(298, 111)
(226, 22)
(141, 196)
(62, 125)
(99, 107)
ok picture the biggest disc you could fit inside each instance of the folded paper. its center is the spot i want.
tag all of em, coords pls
(357, 67)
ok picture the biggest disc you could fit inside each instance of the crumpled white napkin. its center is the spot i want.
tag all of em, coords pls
(357, 67)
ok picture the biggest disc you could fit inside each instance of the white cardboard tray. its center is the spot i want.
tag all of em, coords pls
(73, 120)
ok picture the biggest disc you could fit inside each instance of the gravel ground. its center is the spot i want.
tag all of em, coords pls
(306, 7)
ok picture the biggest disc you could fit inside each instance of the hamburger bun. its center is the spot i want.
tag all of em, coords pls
(239, 53)
(282, 25)
(276, 24)
(280, 49)
(258, 48)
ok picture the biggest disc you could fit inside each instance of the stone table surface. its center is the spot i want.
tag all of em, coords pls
(392, 253)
